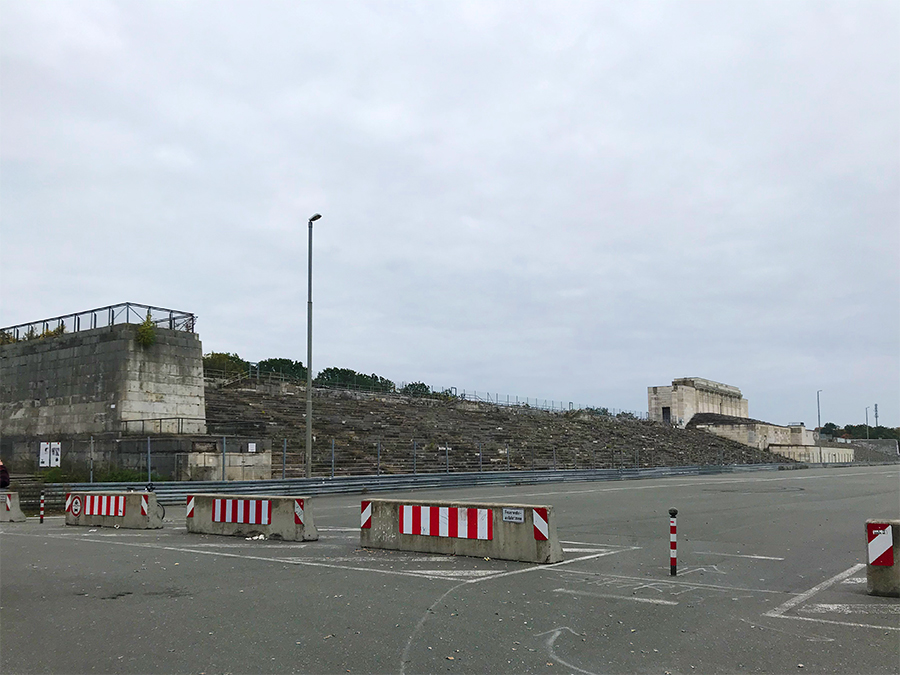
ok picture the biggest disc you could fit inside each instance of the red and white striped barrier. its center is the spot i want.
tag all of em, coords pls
(129, 510)
(244, 511)
(883, 557)
(10, 512)
(513, 532)
(366, 515)
(289, 518)
(105, 505)
(447, 521)
(881, 544)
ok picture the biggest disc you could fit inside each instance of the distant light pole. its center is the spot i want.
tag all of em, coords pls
(819, 425)
(312, 219)
(867, 422)
(819, 408)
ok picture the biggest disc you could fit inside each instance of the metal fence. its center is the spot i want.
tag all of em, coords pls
(176, 492)
(102, 317)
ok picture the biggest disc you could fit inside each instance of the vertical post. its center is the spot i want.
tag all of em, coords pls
(554, 458)
(223, 458)
(149, 479)
(415, 447)
(332, 458)
(42, 506)
(283, 458)
(508, 468)
(876, 416)
(673, 557)
(92, 459)
(480, 454)
(378, 469)
(447, 456)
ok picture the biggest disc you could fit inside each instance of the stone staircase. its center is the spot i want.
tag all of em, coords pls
(430, 435)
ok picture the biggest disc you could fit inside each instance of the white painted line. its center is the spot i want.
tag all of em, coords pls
(666, 582)
(552, 566)
(837, 623)
(340, 529)
(854, 580)
(652, 601)
(738, 555)
(850, 609)
(595, 549)
(803, 597)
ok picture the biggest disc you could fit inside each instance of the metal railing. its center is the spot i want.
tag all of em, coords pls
(102, 317)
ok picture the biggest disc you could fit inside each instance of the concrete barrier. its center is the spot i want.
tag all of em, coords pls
(131, 510)
(10, 511)
(883, 557)
(276, 517)
(506, 531)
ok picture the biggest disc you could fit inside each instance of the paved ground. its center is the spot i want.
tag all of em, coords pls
(770, 577)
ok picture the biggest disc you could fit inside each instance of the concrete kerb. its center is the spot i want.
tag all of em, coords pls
(10, 511)
(883, 557)
(129, 510)
(522, 532)
(289, 518)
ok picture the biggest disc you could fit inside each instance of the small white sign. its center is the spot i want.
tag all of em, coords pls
(50, 455)
(251, 447)
(513, 515)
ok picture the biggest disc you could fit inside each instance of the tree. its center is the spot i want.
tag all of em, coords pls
(345, 377)
(416, 389)
(286, 367)
(230, 364)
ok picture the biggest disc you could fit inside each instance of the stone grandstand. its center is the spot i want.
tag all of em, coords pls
(448, 432)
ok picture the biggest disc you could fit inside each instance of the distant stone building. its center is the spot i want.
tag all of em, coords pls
(687, 396)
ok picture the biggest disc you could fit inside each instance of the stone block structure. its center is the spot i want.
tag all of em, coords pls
(687, 396)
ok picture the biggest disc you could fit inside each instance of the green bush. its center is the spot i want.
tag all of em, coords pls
(145, 335)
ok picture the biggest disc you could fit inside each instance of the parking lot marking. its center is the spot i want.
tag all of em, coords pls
(780, 611)
(738, 555)
(825, 608)
(666, 583)
(653, 601)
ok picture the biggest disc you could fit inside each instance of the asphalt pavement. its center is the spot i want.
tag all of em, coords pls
(771, 578)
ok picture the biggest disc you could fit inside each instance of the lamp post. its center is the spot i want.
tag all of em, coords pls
(312, 219)
(819, 425)
(819, 409)
(867, 422)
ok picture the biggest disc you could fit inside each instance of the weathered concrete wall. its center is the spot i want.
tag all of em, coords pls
(140, 510)
(288, 518)
(688, 396)
(96, 380)
(509, 539)
(814, 453)
(10, 510)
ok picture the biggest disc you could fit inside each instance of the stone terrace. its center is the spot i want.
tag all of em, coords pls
(536, 439)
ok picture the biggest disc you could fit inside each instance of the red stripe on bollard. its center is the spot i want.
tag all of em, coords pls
(673, 554)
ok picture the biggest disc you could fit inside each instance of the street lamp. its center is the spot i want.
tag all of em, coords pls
(819, 424)
(867, 421)
(819, 408)
(312, 219)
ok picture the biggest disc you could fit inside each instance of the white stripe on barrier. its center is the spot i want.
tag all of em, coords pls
(104, 505)
(541, 527)
(9, 502)
(145, 504)
(446, 521)
(365, 515)
(244, 511)
(190, 507)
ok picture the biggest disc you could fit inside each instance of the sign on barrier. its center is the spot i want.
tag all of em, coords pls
(881, 544)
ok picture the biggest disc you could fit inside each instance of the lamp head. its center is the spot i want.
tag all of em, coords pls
(314, 217)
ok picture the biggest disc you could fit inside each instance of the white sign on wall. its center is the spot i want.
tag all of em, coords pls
(251, 447)
(50, 454)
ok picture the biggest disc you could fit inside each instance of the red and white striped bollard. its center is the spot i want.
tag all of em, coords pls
(42, 506)
(673, 557)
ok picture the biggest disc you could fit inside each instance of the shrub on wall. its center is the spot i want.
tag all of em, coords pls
(146, 332)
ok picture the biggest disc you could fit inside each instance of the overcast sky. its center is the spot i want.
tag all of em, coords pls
(564, 200)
